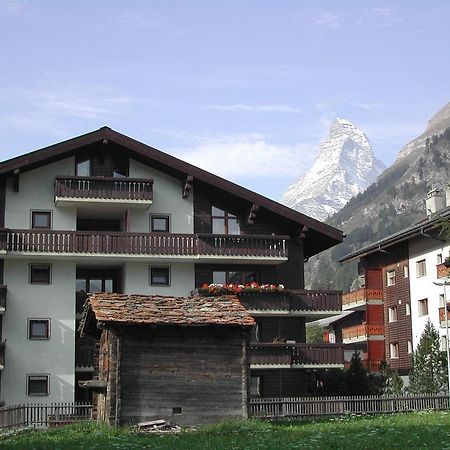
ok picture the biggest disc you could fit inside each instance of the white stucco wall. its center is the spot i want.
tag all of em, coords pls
(55, 356)
(167, 199)
(136, 279)
(423, 287)
(36, 192)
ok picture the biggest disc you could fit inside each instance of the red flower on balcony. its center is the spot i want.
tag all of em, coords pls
(216, 289)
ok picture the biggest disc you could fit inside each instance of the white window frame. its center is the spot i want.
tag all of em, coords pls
(394, 350)
(390, 278)
(421, 268)
(393, 313)
(422, 303)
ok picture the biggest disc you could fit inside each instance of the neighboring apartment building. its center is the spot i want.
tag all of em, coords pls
(103, 212)
(398, 295)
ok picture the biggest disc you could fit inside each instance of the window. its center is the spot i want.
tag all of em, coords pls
(423, 307)
(443, 343)
(39, 329)
(439, 259)
(441, 301)
(405, 271)
(229, 277)
(159, 223)
(160, 276)
(410, 347)
(421, 268)
(223, 222)
(393, 314)
(394, 350)
(407, 309)
(38, 384)
(41, 220)
(40, 273)
(390, 278)
(83, 168)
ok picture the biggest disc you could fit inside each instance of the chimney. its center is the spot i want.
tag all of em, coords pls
(434, 202)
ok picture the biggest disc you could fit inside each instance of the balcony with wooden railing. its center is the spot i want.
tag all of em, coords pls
(3, 290)
(317, 304)
(362, 332)
(208, 247)
(360, 298)
(442, 271)
(279, 356)
(442, 318)
(85, 357)
(70, 190)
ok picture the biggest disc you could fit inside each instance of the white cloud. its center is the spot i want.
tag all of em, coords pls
(255, 108)
(250, 156)
(329, 21)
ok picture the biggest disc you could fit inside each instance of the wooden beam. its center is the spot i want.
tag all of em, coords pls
(251, 216)
(187, 186)
(16, 174)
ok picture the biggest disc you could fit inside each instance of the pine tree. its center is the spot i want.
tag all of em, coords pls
(356, 377)
(429, 366)
(393, 383)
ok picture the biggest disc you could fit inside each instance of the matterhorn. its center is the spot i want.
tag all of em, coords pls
(344, 167)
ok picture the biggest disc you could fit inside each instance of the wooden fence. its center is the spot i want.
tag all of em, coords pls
(340, 406)
(43, 415)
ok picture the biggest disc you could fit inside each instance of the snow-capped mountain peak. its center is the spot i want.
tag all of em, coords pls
(344, 167)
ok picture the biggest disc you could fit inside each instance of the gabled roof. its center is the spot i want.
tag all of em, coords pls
(421, 228)
(323, 235)
(109, 308)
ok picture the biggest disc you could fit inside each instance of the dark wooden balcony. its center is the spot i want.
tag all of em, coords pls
(85, 356)
(360, 298)
(293, 302)
(362, 332)
(195, 246)
(70, 189)
(442, 271)
(296, 355)
(2, 298)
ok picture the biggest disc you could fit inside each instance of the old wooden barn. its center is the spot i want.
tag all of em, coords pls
(174, 358)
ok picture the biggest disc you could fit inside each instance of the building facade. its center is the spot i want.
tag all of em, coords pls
(402, 280)
(105, 213)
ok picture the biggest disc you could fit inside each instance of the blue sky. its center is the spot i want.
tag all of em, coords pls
(245, 89)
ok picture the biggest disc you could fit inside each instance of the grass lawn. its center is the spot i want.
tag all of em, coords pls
(425, 430)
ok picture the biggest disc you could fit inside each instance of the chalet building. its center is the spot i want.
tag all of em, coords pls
(169, 358)
(398, 294)
(105, 213)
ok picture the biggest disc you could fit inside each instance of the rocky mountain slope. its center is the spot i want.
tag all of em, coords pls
(395, 201)
(344, 167)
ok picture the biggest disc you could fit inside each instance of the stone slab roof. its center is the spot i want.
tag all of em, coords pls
(161, 310)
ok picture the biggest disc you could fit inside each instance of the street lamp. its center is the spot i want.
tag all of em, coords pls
(446, 283)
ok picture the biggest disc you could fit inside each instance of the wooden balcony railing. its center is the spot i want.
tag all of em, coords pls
(2, 298)
(292, 300)
(442, 271)
(142, 244)
(296, 354)
(84, 356)
(362, 295)
(112, 188)
(362, 331)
